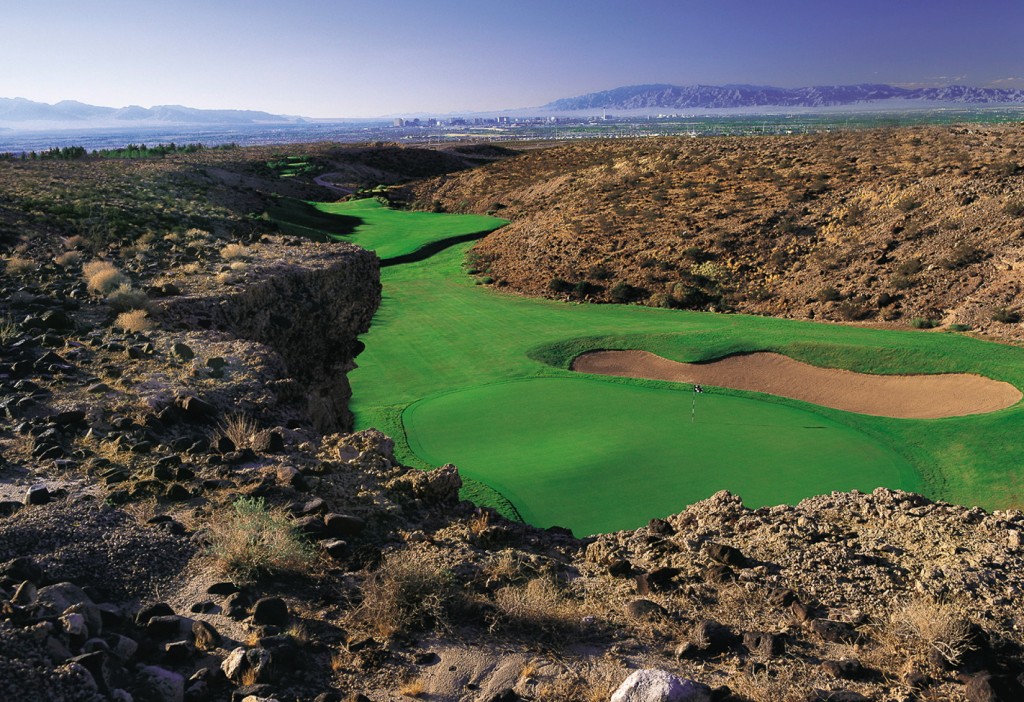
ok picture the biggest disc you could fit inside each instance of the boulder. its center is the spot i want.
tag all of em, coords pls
(161, 685)
(660, 686)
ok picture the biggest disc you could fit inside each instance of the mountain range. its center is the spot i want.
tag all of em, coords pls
(22, 112)
(676, 97)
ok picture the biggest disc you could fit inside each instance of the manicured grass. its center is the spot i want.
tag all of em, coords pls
(601, 456)
(450, 347)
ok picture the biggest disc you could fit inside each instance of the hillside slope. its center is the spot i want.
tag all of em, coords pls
(877, 226)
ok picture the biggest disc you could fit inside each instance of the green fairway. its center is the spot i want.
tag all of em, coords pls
(442, 350)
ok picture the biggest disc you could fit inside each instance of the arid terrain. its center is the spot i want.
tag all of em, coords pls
(185, 515)
(880, 226)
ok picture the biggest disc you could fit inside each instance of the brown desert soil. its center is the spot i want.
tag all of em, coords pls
(902, 396)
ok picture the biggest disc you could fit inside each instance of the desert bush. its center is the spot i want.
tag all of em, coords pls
(962, 255)
(902, 282)
(537, 608)
(910, 267)
(1005, 315)
(409, 591)
(1014, 208)
(852, 311)
(102, 277)
(907, 203)
(924, 323)
(599, 271)
(233, 251)
(8, 330)
(623, 293)
(127, 298)
(829, 295)
(559, 285)
(253, 539)
(68, 259)
(19, 265)
(918, 629)
(242, 431)
(959, 327)
(134, 321)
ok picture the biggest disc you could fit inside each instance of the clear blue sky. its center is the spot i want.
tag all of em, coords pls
(359, 58)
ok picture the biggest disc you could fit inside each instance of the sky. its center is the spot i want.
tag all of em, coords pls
(369, 58)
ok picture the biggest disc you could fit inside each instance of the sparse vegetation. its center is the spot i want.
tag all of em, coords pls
(409, 592)
(252, 539)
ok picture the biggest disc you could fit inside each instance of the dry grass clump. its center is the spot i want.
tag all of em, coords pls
(412, 688)
(537, 607)
(68, 259)
(252, 539)
(410, 591)
(233, 251)
(127, 298)
(920, 629)
(8, 330)
(134, 321)
(102, 277)
(243, 431)
(19, 265)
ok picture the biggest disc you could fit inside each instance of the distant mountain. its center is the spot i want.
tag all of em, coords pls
(22, 112)
(676, 97)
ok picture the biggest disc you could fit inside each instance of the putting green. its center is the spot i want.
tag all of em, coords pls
(597, 455)
(442, 351)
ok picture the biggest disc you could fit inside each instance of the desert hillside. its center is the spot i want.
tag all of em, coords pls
(919, 226)
(185, 514)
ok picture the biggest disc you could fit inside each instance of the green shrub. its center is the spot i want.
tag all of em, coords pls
(924, 323)
(254, 539)
(959, 327)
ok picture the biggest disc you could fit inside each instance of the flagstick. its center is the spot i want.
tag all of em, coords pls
(693, 408)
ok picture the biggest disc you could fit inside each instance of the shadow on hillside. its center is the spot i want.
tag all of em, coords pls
(300, 218)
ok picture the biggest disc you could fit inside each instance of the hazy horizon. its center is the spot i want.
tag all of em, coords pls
(322, 59)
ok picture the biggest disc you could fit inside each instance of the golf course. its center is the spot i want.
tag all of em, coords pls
(457, 372)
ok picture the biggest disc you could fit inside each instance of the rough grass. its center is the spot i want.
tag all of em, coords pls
(488, 338)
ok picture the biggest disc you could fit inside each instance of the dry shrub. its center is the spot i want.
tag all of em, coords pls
(239, 266)
(537, 608)
(410, 591)
(243, 431)
(68, 259)
(19, 265)
(134, 321)
(127, 298)
(921, 627)
(233, 251)
(102, 277)
(8, 330)
(253, 539)
(412, 688)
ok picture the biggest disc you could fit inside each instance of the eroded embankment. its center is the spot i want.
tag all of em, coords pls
(902, 396)
(309, 305)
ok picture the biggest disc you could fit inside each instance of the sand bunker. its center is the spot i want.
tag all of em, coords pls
(905, 396)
